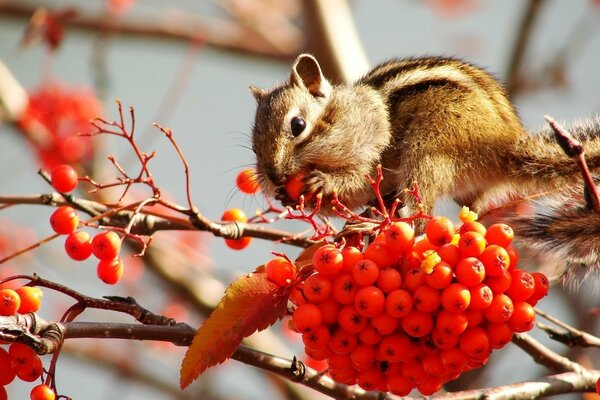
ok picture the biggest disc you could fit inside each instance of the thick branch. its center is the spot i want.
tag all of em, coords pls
(146, 223)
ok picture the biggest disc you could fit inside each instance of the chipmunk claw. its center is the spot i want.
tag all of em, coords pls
(357, 228)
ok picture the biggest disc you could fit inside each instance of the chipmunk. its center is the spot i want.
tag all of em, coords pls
(441, 122)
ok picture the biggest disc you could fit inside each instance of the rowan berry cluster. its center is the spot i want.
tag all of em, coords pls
(411, 313)
(79, 245)
(19, 360)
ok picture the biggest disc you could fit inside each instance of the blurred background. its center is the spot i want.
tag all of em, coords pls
(187, 65)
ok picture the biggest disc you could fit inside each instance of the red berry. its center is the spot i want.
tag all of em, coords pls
(234, 214)
(472, 226)
(500, 234)
(541, 287)
(78, 245)
(106, 245)
(21, 354)
(381, 254)
(110, 272)
(31, 298)
(64, 220)
(384, 324)
(247, 182)
(474, 342)
(369, 301)
(238, 244)
(456, 297)
(500, 310)
(7, 372)
(451, 323)
(481, 297)
(31, 371)
(280, 271)
(417, 323)
(440, 276)
(328, 261)
(523, 317)
(351, 255)
(317, 339)
(400, 237)
(307, 317)
(426, 299)
(398, 303)
(344, 289)
(495, 259)
(439, 231)
(522, 285)
(470, 271)
(42, 392)
(316, 288)
(471, 244)
(350, 320)
(499, 334)
(365, 272)
(342, 342)
(499, 284)
(63, 178)
(394, 348)
(9, 302)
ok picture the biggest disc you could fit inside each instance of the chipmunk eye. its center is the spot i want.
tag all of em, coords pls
(298, 125)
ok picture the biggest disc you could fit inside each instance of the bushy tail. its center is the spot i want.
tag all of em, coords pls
(560, 228)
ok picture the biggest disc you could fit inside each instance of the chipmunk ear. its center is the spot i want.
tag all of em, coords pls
(306, 72)
(257, 92)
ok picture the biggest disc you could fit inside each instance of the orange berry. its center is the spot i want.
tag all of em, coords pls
(78, 245)
(365, 272)
(541, 287)
(393, 348)
(500, 234)
(9, 302)
(384, 324)
(294, 186)
(110, 272)
(522, 285)
(380, 254)
(42, 392)
(472, 226)
(317, 339)
(389, 280)
(7, 372)
(234, 214)
(481, 297)
(439, 231)
(440, 276)
(369, 301)
(456, 297)
(307, 317)
(443, 340)
(470, 271)
(63, 178)
(499, 284)
(344, 289)
(398, 303)
(451, 323)
(500, 310)
(328, 261)
(413, 279)
(351, 255)
(106, 245)
(64, 220)
(495, 259)
(417, 323)
(238, 244)
(350, 320)
(499, 334)
(281, 271)
(316, 288)
(342, 342)
(471, 244)
(31, 299)
(449, 254)
(474, 342)
(400, 237)
(426, 299)
(523, 317)
(454, 359)
(247, 181)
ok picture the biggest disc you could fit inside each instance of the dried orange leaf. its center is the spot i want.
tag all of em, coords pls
(250, 303)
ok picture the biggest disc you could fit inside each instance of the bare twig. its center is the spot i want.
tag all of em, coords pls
(571, 336)
(575, 150)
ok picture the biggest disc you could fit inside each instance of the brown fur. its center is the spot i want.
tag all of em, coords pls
(441, 122)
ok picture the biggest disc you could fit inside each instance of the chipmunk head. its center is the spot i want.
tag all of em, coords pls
(305, 124)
